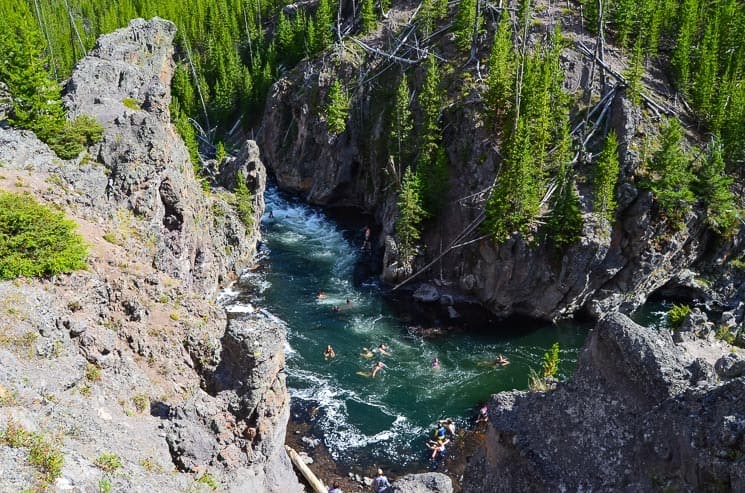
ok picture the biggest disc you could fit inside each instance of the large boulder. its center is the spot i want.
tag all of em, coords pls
(640, 412)
(430, 482)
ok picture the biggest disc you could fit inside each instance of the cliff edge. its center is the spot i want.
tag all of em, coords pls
(119, 366)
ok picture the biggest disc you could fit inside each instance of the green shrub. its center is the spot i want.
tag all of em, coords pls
(36, 241)
(43, 454)
(104, 486)
(677, 314)
(69, 139)
(92, 373)
(724, 333)
(141, 402)
(551, 361)
(209, 480)
(109, 462)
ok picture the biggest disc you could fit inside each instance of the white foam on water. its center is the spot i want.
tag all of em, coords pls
(240, 308)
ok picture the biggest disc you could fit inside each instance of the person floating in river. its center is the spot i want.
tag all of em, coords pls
(378, 366)
(383, 349)
(271, 214)
(335, 309)
(366, 353)
(501, 361)
(435, 363)
(329, 353)
(321, 295)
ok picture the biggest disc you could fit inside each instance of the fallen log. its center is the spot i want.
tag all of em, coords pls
(315, 483)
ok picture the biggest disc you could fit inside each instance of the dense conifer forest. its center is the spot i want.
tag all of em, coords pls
(229, 52)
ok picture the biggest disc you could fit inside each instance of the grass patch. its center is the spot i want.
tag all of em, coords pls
(92, 373)
(109, 462)
(209, 480)
(174, 316)
(725, 333)
(8, 398)
(105, 486)
(141, 402)
(35, 240)
(43, 454)
(24, 344)
(131, 103)
(150, 465)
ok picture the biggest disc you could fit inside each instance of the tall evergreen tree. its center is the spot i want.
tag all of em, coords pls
(324, 24)
(465, 21)
(564, 223)
(410, 215)
(712, 185)
(401, 124)
(368, 19)
(337, 110)
(671, 182)
(681, 59)
(606, 177)
(502, 66)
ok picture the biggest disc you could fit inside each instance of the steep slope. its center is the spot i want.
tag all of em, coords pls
(615, 264)
(108, 362)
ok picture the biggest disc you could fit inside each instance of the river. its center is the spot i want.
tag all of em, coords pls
(385, 420)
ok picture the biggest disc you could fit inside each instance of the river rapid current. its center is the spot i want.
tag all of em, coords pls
(385, 420)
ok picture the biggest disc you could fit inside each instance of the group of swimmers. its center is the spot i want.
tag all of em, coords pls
(443, 434)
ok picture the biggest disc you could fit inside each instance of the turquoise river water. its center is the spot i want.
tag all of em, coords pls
(385, 420)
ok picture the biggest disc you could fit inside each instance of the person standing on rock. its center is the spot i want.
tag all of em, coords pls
(380, 484)
(335, 488)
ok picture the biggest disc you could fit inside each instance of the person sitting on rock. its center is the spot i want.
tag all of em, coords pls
(380, 483)
(437, 448)
(483, 415)
(335, 488)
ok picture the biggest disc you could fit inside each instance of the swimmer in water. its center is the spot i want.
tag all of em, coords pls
(379, 366)
(435, 363)
(383, 349)
(329, 353)
(366, 353)
(501, 361)
(321, 295)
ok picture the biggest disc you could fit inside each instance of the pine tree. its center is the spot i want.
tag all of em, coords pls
(705, 76)
(401, 124)
(368, 19)
(635, 72)
(681, 58)
(430, 107)
(464, 24)
(564, 223)
(434, 179)
(606, 177)
(712, 185)
(502, 65)
(624, 15)
(324, 25)
(410, 215)
(672, 178)
(515, 201)
(337, 110)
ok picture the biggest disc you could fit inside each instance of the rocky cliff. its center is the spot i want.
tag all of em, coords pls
(131, 368)
(642, 413)
(612, 266)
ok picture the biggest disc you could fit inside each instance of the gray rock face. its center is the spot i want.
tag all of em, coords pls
(431, 482)
(132, 356)
(612, 266)
(241, 428)
(124, 83)
(632, 417)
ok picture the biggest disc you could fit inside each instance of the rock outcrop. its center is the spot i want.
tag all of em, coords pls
(132, 358)
(430, 482)
(641, 413)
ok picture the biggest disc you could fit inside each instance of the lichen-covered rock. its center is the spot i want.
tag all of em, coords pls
(631, 418)
(430, 482)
